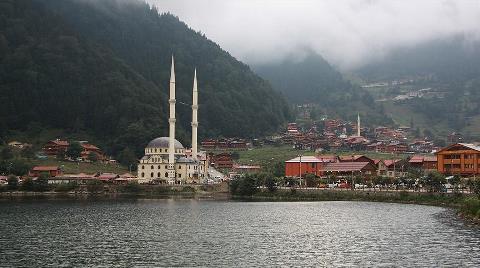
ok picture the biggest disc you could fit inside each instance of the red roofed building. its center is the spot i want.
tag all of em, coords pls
(355, 158)
(52, 171)
(306, 165)
(348, 169)
(89, 148)
(423, 162)
(54, 147)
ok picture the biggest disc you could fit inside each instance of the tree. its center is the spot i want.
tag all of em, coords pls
(311, 180)
(28, 152)
(93, 157)
(271, 184)
(41, 183)
(74, 150)
(28, 185)
(248, 186)
(127, 157)
(6, 153)
(60, 155)
(434, 181)
(12, 182)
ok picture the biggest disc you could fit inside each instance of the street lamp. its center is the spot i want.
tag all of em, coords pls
(300, 169)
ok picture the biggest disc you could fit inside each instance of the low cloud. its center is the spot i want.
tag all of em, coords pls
(347, 33)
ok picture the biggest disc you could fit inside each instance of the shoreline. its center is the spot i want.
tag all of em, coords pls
(467, 206)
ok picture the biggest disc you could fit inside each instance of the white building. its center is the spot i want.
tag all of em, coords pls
(166, 160)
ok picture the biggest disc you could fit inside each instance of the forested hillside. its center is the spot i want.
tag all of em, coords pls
(313, 80)
(102, 68)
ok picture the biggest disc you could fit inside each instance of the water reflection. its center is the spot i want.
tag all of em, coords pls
(147, 233)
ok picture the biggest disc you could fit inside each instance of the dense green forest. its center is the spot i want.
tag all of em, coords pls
(102, 68)
(313, 80)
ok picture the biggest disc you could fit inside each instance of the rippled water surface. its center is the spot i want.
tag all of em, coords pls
(146, 233)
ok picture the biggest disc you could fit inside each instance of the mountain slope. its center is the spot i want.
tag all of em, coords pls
(449, 67)
(234, 101)
(110, 81)
(314, 80)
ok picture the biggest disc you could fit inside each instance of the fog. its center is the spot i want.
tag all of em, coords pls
(346, 33)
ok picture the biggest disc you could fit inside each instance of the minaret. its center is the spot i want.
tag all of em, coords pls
(171, 121)
(358, 125)
(194, 116)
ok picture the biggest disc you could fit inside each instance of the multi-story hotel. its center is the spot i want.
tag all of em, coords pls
(459, 159)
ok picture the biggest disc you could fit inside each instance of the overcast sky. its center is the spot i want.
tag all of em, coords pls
(347, 33)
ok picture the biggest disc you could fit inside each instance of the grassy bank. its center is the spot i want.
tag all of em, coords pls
(467, 206)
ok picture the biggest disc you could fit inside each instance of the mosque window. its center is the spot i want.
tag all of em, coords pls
(179, 167)
(166, 174)
(143, 167)
(159, 168)
(158, 174)
(166, 166)
(155, 149)
(143, 174)
(179, 175)
(151, 167)
(151, 175)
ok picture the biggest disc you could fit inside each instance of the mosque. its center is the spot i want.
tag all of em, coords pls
(165, 159)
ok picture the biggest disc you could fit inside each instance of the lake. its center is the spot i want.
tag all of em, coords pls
(146, 233)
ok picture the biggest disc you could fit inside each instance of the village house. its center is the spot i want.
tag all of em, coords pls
(459, 159)
(350, 169)
(426, 163)
(55, 147)
(51, 171)
(302, 165)
(222, 160)
(396, 168)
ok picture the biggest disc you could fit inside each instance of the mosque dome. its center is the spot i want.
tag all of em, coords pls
(162, 142)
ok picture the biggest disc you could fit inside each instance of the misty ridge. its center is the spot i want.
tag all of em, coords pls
(348, 34)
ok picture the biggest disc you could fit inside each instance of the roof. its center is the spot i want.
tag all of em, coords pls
(350, 157)
(346, 166)
(390, 162)
(245, 167)
(162, 142)
(308, 159)
(89, 146)
(60, 142)
(45, 168)
(467, 145)
(185, 160)
(432, 158)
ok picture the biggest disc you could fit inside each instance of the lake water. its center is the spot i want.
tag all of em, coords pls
(153, 233)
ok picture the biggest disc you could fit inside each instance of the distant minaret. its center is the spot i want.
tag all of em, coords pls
(194, 116)
(171, 121)
(358, 125)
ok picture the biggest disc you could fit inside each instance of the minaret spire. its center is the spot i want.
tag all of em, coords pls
(358, 125)
(194, 116)
(171, 121)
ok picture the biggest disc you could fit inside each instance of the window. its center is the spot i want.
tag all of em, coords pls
(151, 167)
(155, 149)
(179, 167)
(166, 174)
(151, 175)
(159, 168)
(143, 167)
(143, 174)
(158, 174)
(469, 166)
(179, 175)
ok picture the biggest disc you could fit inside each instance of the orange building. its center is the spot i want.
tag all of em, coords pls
(306, 165)
(459, 159)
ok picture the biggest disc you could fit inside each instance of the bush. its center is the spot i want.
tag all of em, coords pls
(132, 187)
(66, 187)
(12, 182)
(27, 185)
(270, 183)
(95, 186)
